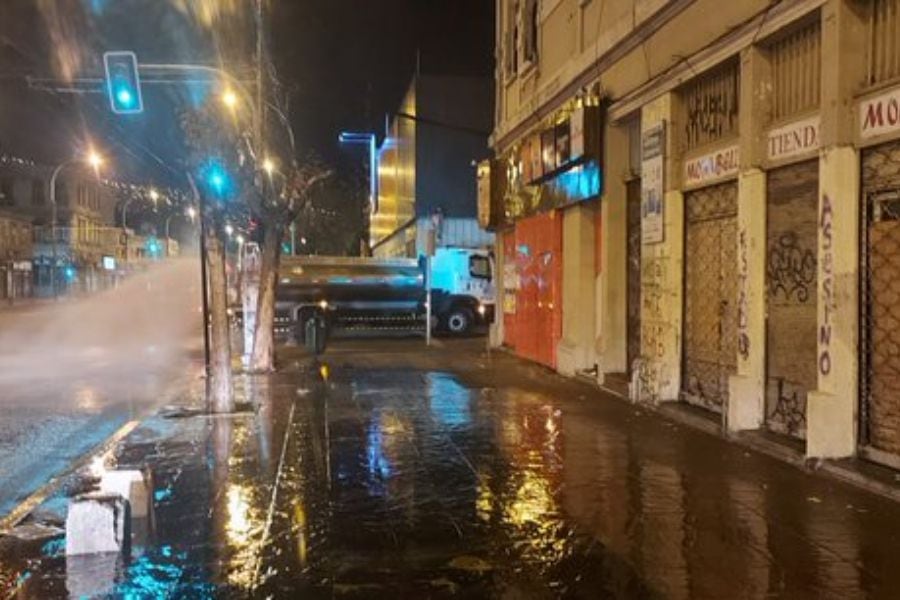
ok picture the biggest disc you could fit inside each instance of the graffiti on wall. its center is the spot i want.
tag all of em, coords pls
(743, 341)
(826, 220)
(791, 269)
(655, 331)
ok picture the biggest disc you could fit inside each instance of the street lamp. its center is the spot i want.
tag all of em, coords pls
(94, 160)
(229, 99)
(347, 137)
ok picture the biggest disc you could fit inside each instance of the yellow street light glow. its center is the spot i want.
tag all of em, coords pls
(229, 98)
(268, 166)
(154, 195)
(191, 212)
(94, 159)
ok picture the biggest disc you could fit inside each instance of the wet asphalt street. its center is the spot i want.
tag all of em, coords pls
(389, 471)
(73, 372)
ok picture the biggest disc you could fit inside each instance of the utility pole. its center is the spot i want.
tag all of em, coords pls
(260, 66)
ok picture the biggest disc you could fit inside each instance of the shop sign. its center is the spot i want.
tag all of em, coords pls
(880, 115)
(484, 193)
(524, 158)
(794, 139)
(21, 265)
(109, 263)
(562, 144)
(548, 151)
(576, 134)
(536, 158)
(713, 166)
(510, 286)
(652, 184)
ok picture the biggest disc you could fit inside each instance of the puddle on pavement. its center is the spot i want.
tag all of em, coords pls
(404, 483)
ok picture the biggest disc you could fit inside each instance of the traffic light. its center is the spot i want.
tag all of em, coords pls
(216, 179)
(123, 84)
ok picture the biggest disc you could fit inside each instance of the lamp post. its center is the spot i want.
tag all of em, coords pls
(94, 160)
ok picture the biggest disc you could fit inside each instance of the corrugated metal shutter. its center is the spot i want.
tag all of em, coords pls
(539, 299)
(791, 298)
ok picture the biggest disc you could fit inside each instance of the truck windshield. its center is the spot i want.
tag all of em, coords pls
(480, 266)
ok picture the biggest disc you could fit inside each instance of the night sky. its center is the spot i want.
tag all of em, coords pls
(349, 61)
(345, 62)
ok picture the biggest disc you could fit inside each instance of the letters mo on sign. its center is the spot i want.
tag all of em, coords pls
(794, 139)
(652, 184)
(880, 115)
(712, 167)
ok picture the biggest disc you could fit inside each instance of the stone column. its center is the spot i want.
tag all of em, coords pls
(662, 274)
(746, 389)
(612, 286)
(575, 351)
(495, 333)
(832, 409)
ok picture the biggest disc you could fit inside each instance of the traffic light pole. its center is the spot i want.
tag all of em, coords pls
(204, 284)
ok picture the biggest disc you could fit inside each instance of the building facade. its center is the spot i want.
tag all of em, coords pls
(426, 189)
(15, 256)
(740, 253)
(67, 255)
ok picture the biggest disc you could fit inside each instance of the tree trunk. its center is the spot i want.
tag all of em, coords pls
(263, 358)
(221, 398)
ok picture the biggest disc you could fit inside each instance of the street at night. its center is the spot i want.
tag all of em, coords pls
(502, 299)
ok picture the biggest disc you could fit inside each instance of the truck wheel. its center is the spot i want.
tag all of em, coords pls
(459, 320)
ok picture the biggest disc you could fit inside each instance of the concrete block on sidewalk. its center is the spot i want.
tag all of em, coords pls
(97, 523)
(133, 485)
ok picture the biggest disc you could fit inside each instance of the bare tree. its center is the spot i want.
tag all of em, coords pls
(276, 206)
(217, 174)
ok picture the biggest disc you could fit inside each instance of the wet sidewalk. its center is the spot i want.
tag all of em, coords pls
(389, 471)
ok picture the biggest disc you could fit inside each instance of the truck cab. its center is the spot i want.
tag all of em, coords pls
(462, 283)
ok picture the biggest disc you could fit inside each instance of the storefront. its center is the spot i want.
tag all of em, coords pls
(710, 317)
(791, 297)
(880, 253)
(547, 171)
(537, 326)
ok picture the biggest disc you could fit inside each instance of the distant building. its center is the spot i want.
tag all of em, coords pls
(426, 172)
(15, 256)
(70, 252)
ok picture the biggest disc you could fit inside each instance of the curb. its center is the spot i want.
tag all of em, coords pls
(36, 498)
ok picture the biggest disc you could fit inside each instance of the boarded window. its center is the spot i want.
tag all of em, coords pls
(884, 41)
(511, 41)
(796, 68)
(710, 106)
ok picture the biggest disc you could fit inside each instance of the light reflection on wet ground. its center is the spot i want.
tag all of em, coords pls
(415, 475)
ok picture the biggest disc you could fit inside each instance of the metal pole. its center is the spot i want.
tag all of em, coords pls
(260, 47)
(53, 219)
(428, 301)
(53, 177)
(125, 227)
(204, 284)
(293, 238)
